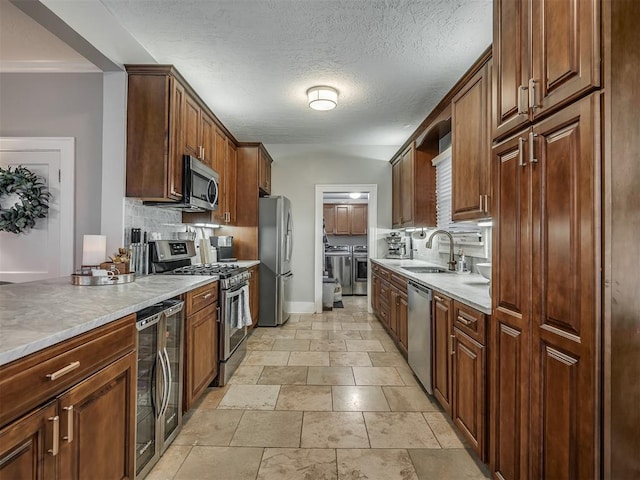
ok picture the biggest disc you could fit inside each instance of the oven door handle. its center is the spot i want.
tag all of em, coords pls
(234, 293)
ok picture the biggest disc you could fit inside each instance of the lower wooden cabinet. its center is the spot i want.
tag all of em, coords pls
(442, 325)
(201, 353)
(86, 429)
(390, 304)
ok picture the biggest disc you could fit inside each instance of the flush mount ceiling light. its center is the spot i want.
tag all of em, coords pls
(355, 195)
(322, 98)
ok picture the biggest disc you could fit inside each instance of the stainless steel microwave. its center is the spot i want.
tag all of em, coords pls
(200, 188)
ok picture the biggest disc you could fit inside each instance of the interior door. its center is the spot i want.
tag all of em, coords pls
(45, 251)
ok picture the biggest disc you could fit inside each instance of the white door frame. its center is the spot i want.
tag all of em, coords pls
(372, 227)
(66, 147)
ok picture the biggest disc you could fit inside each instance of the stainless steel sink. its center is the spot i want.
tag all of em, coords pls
(426, 269)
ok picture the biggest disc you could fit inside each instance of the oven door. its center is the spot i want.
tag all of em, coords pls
(230, 335)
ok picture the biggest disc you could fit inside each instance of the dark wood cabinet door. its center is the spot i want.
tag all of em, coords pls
(407, 191)
(359, 219)
(565, 299)
(176, 138)
(442, 341)
(343, 220)
(384, 302)
(329, 215)
(207, 136)
(218, 159)
(375, 292)
(201, 352)
(509, 330)
(470, 149)
(97, 424)
(469, 379)
(25, 446)
(394, 311)
(230, 177)
(191, 122)
(510, 66)
(565, 51)
(396, 193)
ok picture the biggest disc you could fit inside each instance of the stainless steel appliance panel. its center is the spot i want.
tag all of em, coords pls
(419, 333)
(338, 266)
(275, 297)
(232, 339)
(360, 274)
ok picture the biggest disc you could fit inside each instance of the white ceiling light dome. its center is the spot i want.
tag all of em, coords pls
(322, 98)
(355, 195)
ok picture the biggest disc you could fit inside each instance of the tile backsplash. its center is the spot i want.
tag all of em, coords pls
(165, 221)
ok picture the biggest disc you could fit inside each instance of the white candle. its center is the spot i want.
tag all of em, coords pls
(94, 249)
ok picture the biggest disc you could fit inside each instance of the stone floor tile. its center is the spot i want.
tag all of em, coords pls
(211, 398)
(291, 345)
(345, 335)
(409, 399)
(330, 376)
(399, 430)
(387, 359)
(277, 333)
(377, 376)
(451, 464)
(268, 429)
(444, 430)
(375, 464)
(298, 464)
(309, 359)
(209, 427)
(331, 326)
(407, 376)
(170, 462)
(255, 397)
(364, 346)
(350, 359)
(356, 326)
(305, 397)
(266, 358)
(246, 374)
(334, 430)
(221, 462)
(328, 346)
(359, 399)
(312, 334)
(259, 343)
(283, 375)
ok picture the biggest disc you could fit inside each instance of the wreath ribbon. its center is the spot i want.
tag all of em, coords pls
(33, 199)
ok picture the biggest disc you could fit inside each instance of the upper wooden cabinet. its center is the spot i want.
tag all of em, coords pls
(264, 172)
(345, 219)
(414, 185)
(165, 121)
(546, 54)
(471, 145)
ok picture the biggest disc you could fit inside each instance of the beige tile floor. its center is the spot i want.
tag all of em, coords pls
(324, 397)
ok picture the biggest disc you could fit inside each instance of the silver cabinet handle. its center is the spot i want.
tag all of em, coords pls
(63, 371)
(69, 436)
(55, 445)
(206, 295)
(521, 162)
(532, 153)
(164, 383)
(532, 94)
(467, 322)
(521, 90)
(437, 298)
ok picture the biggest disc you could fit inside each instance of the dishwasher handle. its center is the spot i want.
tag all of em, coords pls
(425, 291)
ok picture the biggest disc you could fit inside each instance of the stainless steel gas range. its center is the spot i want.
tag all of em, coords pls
(173, 257)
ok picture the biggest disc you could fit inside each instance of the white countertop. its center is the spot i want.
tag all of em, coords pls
(36, 315)
(471, 289)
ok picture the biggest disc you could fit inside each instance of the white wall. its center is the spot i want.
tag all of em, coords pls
(295, 174)
(61, 105)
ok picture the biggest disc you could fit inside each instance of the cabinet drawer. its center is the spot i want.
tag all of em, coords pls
(384, 292)
(200, 297)
(470, 321)
(384, 273)
(399, 281)
(28, 382)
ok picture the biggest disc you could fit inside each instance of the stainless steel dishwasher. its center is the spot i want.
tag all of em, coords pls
(419, 330)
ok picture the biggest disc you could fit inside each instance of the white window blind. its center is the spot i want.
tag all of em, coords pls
(444, 192)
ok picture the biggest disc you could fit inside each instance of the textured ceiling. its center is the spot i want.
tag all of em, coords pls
(252, 60)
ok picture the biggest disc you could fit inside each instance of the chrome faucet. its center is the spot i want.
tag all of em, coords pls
(451, 262)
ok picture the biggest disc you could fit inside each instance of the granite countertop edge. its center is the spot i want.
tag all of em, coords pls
(470, 289)
(37, 315)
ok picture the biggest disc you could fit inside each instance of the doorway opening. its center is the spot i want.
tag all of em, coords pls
(352, 223)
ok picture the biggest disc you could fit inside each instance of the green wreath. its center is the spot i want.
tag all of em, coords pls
(33, 199)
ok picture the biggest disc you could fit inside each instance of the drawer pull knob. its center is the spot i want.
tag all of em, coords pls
(465, 321)
(55, 444)
(439, 299)
(206, 295)
(63, 371)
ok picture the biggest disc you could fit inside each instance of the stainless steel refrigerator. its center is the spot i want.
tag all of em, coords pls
(275, 244)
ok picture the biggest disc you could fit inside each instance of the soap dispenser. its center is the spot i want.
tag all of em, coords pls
(462, 263)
